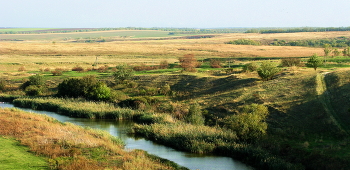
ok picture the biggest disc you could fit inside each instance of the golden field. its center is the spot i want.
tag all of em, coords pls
(39, 54)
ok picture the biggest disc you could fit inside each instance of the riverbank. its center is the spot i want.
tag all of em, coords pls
(67, 146)
(198, 141)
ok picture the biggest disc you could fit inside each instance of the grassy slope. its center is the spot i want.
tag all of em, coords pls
(15, 156)
(68, 146)
(303, 113)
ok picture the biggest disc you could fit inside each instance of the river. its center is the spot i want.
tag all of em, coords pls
(118, 128)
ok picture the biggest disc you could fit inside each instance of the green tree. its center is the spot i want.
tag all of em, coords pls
(314, 62)
(123, 72)
(267, 70)
(194, 115)
(250, 123)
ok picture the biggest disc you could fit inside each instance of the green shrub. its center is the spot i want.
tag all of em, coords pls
(194, 115)
(289, 62)
(33, 90)
(88, 87)
(267, 70)
(122, 73)
(3, 84)
(36, 80)
(250, 67)
(250, 123)
(314, 62)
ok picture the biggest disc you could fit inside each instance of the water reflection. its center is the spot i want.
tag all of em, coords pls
(189, 160)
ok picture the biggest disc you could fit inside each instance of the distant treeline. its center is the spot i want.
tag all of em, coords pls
(339, 42)
(334, 42)
(171, 30)
(291, 30)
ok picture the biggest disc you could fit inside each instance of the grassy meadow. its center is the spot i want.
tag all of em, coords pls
(307, 124)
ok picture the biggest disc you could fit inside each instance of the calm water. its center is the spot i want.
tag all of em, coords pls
(189, 160)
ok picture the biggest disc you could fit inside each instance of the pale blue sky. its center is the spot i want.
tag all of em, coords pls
(174, 13)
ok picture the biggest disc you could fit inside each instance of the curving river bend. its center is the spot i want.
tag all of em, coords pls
(118, 128)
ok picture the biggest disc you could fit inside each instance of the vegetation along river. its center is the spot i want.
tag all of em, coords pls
(118, 128)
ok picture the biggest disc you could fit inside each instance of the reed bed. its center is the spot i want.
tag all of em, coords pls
(204, 139)
(82, 108)
(68, 146)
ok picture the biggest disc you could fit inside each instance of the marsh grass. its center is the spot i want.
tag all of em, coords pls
(68, 146)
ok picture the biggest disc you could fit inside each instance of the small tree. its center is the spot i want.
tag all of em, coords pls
(188, 62)
(122, 73)
(194, 115)
(267, 70)
(314, 62)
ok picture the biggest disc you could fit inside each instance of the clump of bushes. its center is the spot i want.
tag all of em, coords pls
(250, 67)
(3, 84)
(215, 63)
(88, 87)
(34, 86)
(250, 123)
(57, 72)
(78, 69)
(289, 62)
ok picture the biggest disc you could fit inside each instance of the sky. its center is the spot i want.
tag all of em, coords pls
(174, 13)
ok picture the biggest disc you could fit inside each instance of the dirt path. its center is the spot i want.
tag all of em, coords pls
(325, 99)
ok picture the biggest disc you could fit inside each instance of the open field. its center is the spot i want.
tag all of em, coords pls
(35, 54)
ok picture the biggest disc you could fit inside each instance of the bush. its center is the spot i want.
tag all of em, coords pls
(22, 68)
(78, 68)
(289, 62)
(215, 63)
(250, 67)
(33, 90)
(163, 64)
(122, 73)
(250, 123)
(188, 63)
(194, 115)
(36, 80)
(88, 87)
(267, 70)
(3, 84)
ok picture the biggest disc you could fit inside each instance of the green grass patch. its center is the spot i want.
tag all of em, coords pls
(15, 156)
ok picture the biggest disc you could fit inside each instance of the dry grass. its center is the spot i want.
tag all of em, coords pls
(69, 146)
